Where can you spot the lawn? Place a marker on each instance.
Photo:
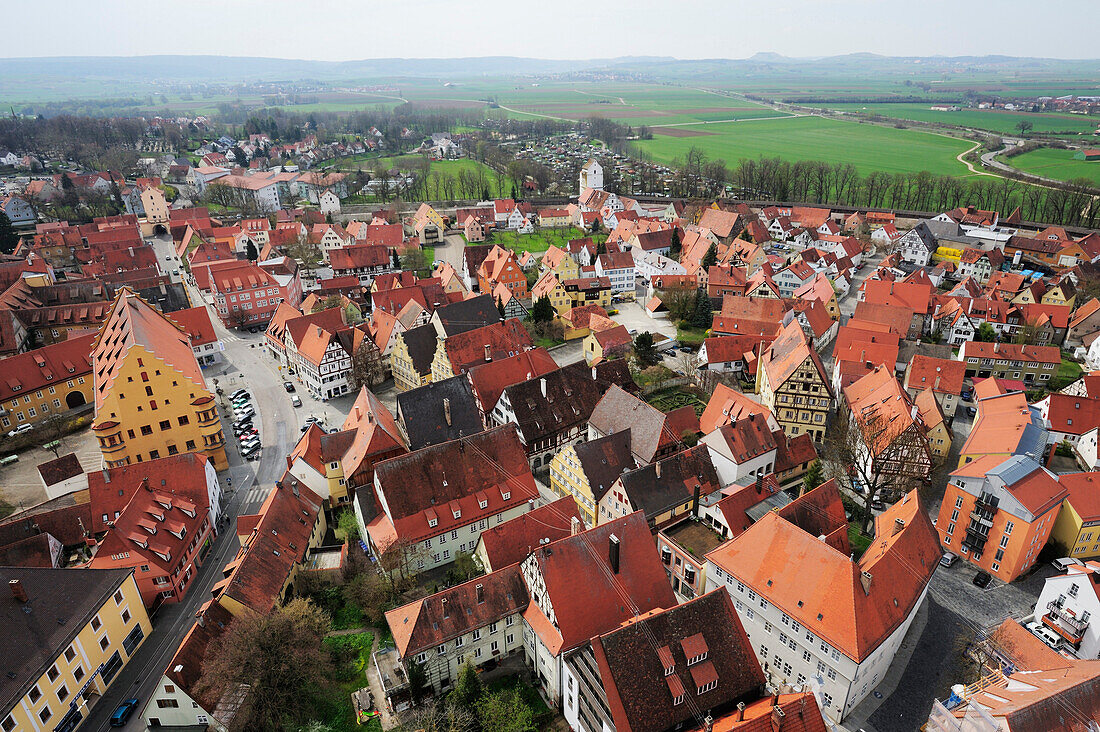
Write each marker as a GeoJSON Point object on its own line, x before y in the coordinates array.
{"type": "Point", "coordinates": [857, 540]}
{"type": "Point", "coordinates": [1053, 163]}
{"type": "Point", "coordinates": [993, 120]}
{"type": "Point", "coordinates": [867, 147]}
{"type": "Point", "coordinates": [678, 396]}
{"type": "Point", "coordinates": [690, 336]}
{"type": "Point", "coordinates": [1067, 373]}
{"type": "Point", "coordinates": [541, 239]}
{"type": "Point", "coordinates": [443, 167]}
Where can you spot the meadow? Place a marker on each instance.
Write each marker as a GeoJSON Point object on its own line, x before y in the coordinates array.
{"type": "Point", "coordinates": [867, 147]}
{"type": "Point", "coordinates": [992, 120]}
{"type": "Point", "coordinates": [1052, 163]}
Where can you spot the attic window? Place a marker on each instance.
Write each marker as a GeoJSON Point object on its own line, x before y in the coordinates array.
{"type": "Point", "coordinates": [457, 513]}
{"type": "Point", "coordinates": [820, 616]}
{"type": "Point", "coordinates": [433, 523]}
{"type": "Point", "coordinates": [506, 495]}
{"type": "Point", "coordinates": [482, 503]}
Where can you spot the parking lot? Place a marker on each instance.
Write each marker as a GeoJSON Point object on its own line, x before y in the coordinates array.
{"type": "Point", "coordinates": [20, 483]}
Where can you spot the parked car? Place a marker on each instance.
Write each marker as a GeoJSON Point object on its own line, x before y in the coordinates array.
{"type": "Point", "coordinates": [1045, 634]}
{"type": "Point", "coordinates": [967, 395]}
{"type": "Point", "coordinates": [982, 579]}
{"type": "Point", "coordinates": [240, 427]}
{"type": "Point", "coordinates": [123, 712]}
{"type": "Point", "coordinates": [1065, 563]}
{"type": "Point", "coordinates": [289, 387]}
{"type": "Point", "coordinates": [309, 421]}
{"type": "Point", "coordinates": [21, 429]}
{"type": "Point", "coordinates": [948, 559]}
{"type": "Point", "coordinates": [238, 393]}
{"type": "Point", "coordinates": [971, 412]}
{"type": "Point", "coordinates": [245, 412]}
{"type": "Point", "coordinates": [250, 450]}
{"type": "Point", "coordinates": [296, 401]}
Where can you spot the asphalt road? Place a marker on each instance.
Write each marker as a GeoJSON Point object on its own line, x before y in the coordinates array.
{"type": "Point", "coordinates": [245, 365]}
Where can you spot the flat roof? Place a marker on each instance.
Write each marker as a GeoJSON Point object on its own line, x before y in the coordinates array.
{"type": "Point", "coordinates": [695, 537]}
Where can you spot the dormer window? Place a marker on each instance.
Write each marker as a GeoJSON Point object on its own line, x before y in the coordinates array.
{"type": "Point", "coordinates": [432, 523]}
{"type": "Point", "coordinates": [457, 513]}
{"type": "Point", "coordinates": [482, 504]}
{"type": "Point", "coordinates": [506, 495]}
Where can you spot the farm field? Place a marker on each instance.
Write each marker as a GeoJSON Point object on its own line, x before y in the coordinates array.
{"type": "Point", "coordinates": [985, 119]}
{"type": "Point", "coordinates": [540, 240]}
{"type": "Point", "coordinates": [867, 147]}
{"type": "Point", "coordinates": [1058, 164]}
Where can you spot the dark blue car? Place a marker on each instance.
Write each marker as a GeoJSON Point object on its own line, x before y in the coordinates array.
{"type": "Point", "coordinates": [123, 712]}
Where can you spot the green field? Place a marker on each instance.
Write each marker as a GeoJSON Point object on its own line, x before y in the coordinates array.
{"type": "Point", "coordinates": [1058, 164]}
{"type": "Point", "coordinates": [541, 239]}
{"type": "Point", "coordinates": [867, 147]}
{"type": "Point", "coordinates": [984, 119]}
{"type": "Point", "coordinates": [443, 167]}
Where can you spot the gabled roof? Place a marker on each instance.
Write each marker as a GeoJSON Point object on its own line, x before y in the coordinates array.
{"type": "Point", "coordinates": [604, 460]}
{"type": "Point", "coordinates": [466, 315]}
{"type": "Point", "coordinates": [433, 483]}
{"type": "Point", "coordinates": [375, 430]}
{"type": "Point", "coordinates": [279, 542]}
{"type": "Point", "coordinates": [643, 664]}
{"type": "Point", "coordinates": [620, 410]}
{"type": "Point", "coordinates": [431, 621]}
{"type": "Point", "coordinates": [727, 406]}
{"type": "Point", "coordinates": [46, 366]}
{"type": "Point", "coordinates": [852, 605]}
{"type": "Point", "coordinates": [420, 343]}
{"type": "Point", "coordinates": [1063, 698]}
{"type": "Point", "coordinates": [488, 343]}
{"type": "Point", "coordinates": [789, 351]}
{"type": "Point", "coordinates": [606, 598]}
{"type": "Point", "coordinates": [670, 482]}
{"type": "Point", "coordinates": [514, 540]}
{"type": "Point", "coordinates": [439, 411]}
{"type": "Point", "coordinates": [488, 380]}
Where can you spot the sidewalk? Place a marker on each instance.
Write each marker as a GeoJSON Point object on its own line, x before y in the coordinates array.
{"type": "Point", "coordinates": [857, 720]}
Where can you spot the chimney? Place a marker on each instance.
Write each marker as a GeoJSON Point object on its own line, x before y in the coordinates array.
{"type": "Point", "coordinates": [708, 723]}
{"type": "Point", "coordinates": [575, 526]}
{"type": "Point", "coordinates": [613, 553]}
{"type": "Point", "coordinates": [542, 387]}
{"type": "Point", "coordinates": [777, 717]}
{"type": "Point", "coordinates": [865, 580]}
{"type": "Point", "coordinates": [488, 353]}
{"type": "Point", "coordinates": [446, 612]}
{"type": "Point", "coordinates": [20, 594]}
{"type": "Point", "coordinates": [759, 483]}
{"type": "Point", "coordinates": [936, 386]}
{"type": "Point", "coordinates": [480, 593]}
{"type": "Point", "coordinates": [106, 475]}
{"type": "Point", "coordinates": [447, 410]}
{"type": "Point", "coordinates": [740, 711]}
{"type": "Point", "coordinates": [657, 469]}
{"type": "Point", "coordinates": [899, 524]}
{"type": "Point", "coordinates": [593, 373]}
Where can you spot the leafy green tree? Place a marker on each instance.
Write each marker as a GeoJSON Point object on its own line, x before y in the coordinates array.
{"type": "Point", "coordinates": [701, 315]}
{"type": "Point", "coordinates": [814, 476]}
{"type": "Point", "coordinates": [601, 248]}
{"type": "Point", "coordinates": [468, 686]}
{"type": "Point", "coordinates": [500, 306]}
{"type": "Point", "coordinates": [505, 711]}
{"type": "Point", "coordinates": [8, 238]}
{"type": "Point", "coordinates": [645, 351]}
{"type": "Point", "coordinates": [250, 252]}
{"type": "Point", "coordinates": [711, 257]}
{"type": "Point", "coordinates": [543, 310]}
{"type": "Point", "coordinates": [595, 227]}
{"type": "Point", "coordinates": [348, 524]}
{"type": "Point", "coordinates": [986, 333]}
{"type": "Point", "coordinates": [418, 679]}
{"type": "Point", "coordinates": [674, 252]}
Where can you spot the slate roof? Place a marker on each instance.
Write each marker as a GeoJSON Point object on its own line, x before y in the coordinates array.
{"type": "Point", "coordinates": [61, 602]}
{"type": "Point", "coordinates": [620, 410]}
{"type": "Point", "coordinates": [673, 481]}
{"type": "Point", "coordinates": [604, 460]}
{"type": "Point", "coordinates": [572, 392]}
{"type": "Point", "coordinates": [437, 412]}
{"type": "Point", "coordinates": [488, 380]}
{"type": "Point", "coordinates": [466, 315]}
{"type": "Point", "coordinates": [420, 342]}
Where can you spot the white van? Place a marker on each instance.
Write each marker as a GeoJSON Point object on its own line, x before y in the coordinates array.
{"type": "Point", "coordinates": [1065, 563]}
{"type": "Point", "coordinates": [1045, 634]}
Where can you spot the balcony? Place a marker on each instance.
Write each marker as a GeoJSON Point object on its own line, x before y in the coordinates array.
{"type": "Point", "coordinates": [974, 540]}
{"type": "Point", "coordinates": [1065, 623]}
{"type": "Point", "coordinates": [987, 503]}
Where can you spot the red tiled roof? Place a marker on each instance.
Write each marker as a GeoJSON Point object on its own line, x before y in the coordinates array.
{"type": "Point", "coordinates": [489, 380]}
{"type": "Point", "coordinates": [46, 366]}
{"type": "Point", "coordinates": [111, 489]}
{"type": "Point", "coordinates": [504, 340]}
{"type": "Point", "coordinates": [939, 374]}
{"type": "Point", "coordinates": [514, 540]}
{"type": "Point", "coordinates": [727, 405]}
{"type": "Point", "coordinates": [196, 323]}
{"type": "Point", "coordinates": [605, 599]}
{"type": "Point", "coordinates": [1084, 494]}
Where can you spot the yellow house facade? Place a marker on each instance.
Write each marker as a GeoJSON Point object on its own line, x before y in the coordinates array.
{"type": "Point", "coordinates": [550, 286]}
{"type": "Point", "coordinates": [1059, 295]}
{"type": "Point", "coordinates": [567, 478]}
{"type": "Point", "coordinates": [76, 658]}
{"type": "Point", "coordinates": [1077, 527]}
{"type": "Point", "coordinates": [151, 399]}
{"type": "Point", "coordinates": [405, 375]}
{"type": "Point", "coordinates": [948, 254]}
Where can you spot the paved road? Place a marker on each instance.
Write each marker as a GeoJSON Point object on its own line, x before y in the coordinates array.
{"type": "Point", "coordinates": [278, 424]}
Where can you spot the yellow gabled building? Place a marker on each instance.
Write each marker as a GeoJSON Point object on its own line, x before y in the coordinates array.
{"type": "Point", "coordinates": [550, 286]}
{"type": "Point", "coordinates": [585, 471]}
{"type": "Point", "coordinates": [151, 399]}
{"type": "Point", "coordinates": [1077, 527]}
{"type": "Point", "coordinates": [68, 634]}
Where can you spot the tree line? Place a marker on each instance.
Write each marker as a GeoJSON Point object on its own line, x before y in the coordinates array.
{"type": "Point", "coordinates": [1070, 204]}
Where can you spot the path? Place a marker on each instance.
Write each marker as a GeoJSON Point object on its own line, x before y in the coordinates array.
{"type": "Point", "coordinates": [723, 121]}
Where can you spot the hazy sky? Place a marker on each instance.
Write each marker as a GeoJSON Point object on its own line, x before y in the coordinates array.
{"type": "Point", "coordinates": [338, 30]}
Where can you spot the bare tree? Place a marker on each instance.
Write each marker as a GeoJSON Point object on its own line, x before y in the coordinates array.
{"type": "Point", "coordinates": [52, 432]}
{"type": "Point", "coordinates": [367, 368]}
{"type": "Point", "coordinates": [306, 251]}
{"type": "Point", "coordinates": [873, 459]}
